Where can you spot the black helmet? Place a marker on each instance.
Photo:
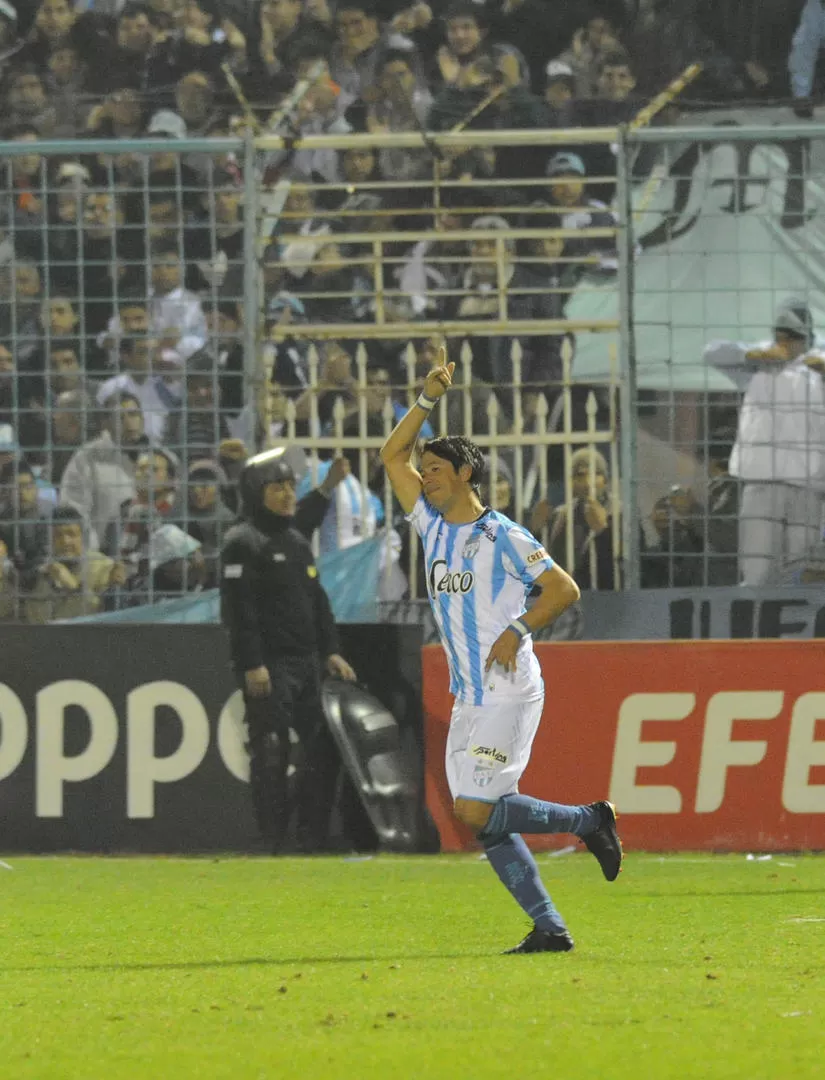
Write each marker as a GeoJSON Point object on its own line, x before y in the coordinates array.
{"type": "Point", "coordinates": [267, 468]}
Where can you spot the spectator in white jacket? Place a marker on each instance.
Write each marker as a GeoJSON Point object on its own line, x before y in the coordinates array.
{"type": "Point", "coordinates": [173, 314]}
{"type": "Point", "coordinates": [100, 476]}
{"type": "Point", "coordinates": [157, 396]}
{"type": "Point", "coordinates": [779, 455]}
{"type": "Point", "coordinates": [176, 315]}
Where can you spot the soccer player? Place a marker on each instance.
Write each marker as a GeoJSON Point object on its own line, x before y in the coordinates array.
{"type": "Point", "coordinates": [480, 568]}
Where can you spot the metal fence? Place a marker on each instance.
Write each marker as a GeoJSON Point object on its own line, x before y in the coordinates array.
{"type": "Point", "coordinates": [173, 306]}
{"type": "Point", "coordinates": [723, 354]}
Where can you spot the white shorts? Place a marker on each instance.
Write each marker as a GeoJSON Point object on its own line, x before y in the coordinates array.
{"type": "Point", "coordinates": [488, 747]}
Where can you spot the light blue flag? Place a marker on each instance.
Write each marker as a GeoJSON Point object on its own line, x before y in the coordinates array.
{"type": "Point", "coordinates": [350, 578]}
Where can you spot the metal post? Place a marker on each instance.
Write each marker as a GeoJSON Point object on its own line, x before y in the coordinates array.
{"type": "Point", "coordinates": [567, 420]}
{"type": "Point", "coordinates": [615, 489]}
{"type": "Point", "coordinates": [591, 408]}
{"type": "Point", "coordinates": [255, 379]}
{"type": "Point", "coordinates": [627, 366]}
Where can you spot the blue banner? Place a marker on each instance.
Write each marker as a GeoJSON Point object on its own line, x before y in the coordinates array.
{"type": "Point", "coordinates": [350, 578]}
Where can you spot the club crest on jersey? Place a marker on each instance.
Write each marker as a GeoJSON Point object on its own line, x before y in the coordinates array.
{"type": "Point", "coordinates": [442, 581]}
{"type": "Point", "coordinates": [471, 548]}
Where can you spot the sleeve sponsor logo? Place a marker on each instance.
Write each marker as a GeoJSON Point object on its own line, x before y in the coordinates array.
{"type": "Point", "coordinates": [233, 570]}
{"type": "Point", "coordinates": [537, 556]}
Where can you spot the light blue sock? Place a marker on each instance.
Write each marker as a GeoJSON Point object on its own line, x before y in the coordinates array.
{"type": "Point", "coordinates": [513, 861]}
{"type": "Point", "coordinates": [524, 814]}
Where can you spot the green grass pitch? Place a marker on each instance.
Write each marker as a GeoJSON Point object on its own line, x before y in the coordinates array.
{"type": "Point", "coordinates": [687, 967]}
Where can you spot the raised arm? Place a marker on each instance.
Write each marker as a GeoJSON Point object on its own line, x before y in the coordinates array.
{"type": "Point", "coordinates": [805, 49]}
{"type": "Point", "coordinates": [397, 451]}
{"type": "Point", "coordinates": [740, 362]}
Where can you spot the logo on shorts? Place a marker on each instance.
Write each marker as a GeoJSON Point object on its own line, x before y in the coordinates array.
{"type": "Point", "coordinates": [491, 753]}
{"type": "Point", "coordinates": [483, 774]}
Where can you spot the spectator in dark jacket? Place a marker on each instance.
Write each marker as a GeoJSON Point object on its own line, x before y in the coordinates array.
{"type": "Point", "coordinates": [712, 529]}
{"type": "Point", "coordinates": [674, 561]}
{"type": "Point", "coordinates": [538, 30]}
{"type": "Point", "coordinates": [24, 519]}
{"type": "Point", "coordinates": [277, 29]}
{"type": "Point", "coordinates": [494, 277]}
{"type": "Point", "coordinates": [668, 36]}
{"type": "Point", "coordinates": [197, 430]}
{"type": "Point", "coordinates": [592, 553]}
{"type": "Point", "coordinates": [576, 210]}
{"type": "Point", "coordinates": [207, 518]}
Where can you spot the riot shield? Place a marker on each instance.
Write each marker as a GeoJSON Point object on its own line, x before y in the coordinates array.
{"type": "Point", "coordinates": [384, 770]}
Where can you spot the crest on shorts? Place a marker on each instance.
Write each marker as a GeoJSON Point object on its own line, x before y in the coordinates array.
{"type": "Point", "coordinates": [471, 548]}
{"type": "Point", "coordinates": [483, 773]}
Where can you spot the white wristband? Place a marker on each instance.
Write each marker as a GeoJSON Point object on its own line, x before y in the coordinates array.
{"type": "Point", "coordinates": [425, 403]}
{"type": "Point", "coordinates": [519, 627]}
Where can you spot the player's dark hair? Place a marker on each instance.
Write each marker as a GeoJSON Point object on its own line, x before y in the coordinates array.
{"type": "Point", "coordinates": [458, 451]}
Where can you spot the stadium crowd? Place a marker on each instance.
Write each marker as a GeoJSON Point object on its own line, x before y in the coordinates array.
{"type": "Point", "coordinates": [125, 410]}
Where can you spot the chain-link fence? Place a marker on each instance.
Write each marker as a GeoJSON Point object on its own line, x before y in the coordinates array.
{"type": "Point", "coordinates": [123, 400]}
{"type": "Point", "coordinates": [361, 279]}
{"type": "Point", "coordinates": [724, 355]}
{"type": "Point", "coordinates": [170, 306]}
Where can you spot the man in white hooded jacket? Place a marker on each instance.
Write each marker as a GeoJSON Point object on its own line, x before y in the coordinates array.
{"type": "Point", "coordinates": [779, 453]}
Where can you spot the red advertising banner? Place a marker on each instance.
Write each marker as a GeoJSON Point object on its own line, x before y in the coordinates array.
{"type": "Point", "coordinates": [715, 745]}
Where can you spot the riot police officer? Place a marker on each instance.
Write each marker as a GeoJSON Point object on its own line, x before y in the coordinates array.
{"type": "Point", "coordinates": [283, 640]}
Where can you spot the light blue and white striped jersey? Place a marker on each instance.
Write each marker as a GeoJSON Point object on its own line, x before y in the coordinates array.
{"type": "Point", "coordinates": [478, 578]}
{"type": "Point", "coordinates": [345, 522]}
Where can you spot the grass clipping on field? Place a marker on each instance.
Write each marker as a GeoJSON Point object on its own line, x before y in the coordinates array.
{"type": "Point", "coordinates": [319, 969]}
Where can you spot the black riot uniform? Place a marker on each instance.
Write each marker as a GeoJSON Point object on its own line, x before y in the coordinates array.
{"type": "Point", "coordinates": [278, 616]}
